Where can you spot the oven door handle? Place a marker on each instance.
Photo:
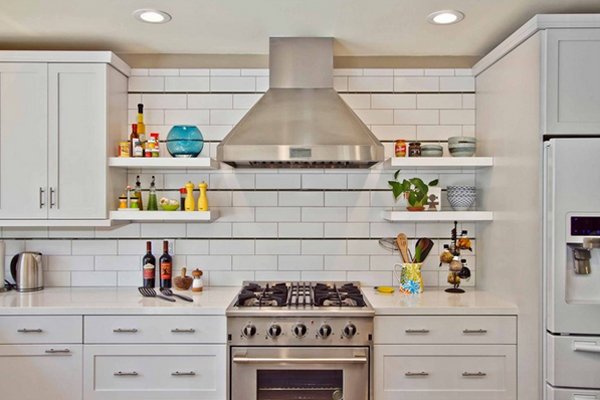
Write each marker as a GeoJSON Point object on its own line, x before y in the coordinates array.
{"type": "Point", "coordinates": [275, 360]}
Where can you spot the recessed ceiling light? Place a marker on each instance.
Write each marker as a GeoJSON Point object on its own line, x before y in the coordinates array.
{"type": "Point", "coordinates": [445, 17]}
{"type": "Point", "coordinates": [152, 16]}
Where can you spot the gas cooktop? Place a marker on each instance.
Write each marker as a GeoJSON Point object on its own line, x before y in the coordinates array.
{"type": "Point", "coordinates": [300, 298]}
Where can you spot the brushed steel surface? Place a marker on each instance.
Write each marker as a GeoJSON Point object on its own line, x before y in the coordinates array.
{"type": "Point", "coordinates": [27, 270]}
{"type": "Point", "coordinates": [301, 122]}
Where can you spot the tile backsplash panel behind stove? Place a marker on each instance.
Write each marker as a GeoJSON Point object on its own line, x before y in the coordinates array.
{"type": "Point", "coordinates": [274, 224]}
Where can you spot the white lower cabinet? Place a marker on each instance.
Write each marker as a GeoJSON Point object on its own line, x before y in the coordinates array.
{"type": "Point", "coordinates": [571, 394]}
{"type": "Point", "coordinates": [33, 372]}
{"type": "Point", "coordinates": [174, 372]}
{"type": "Point", "coordinates": [445, 372]}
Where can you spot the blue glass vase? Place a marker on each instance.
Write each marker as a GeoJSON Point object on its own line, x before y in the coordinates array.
{"type": "Point", "coordinates": [184, 141]}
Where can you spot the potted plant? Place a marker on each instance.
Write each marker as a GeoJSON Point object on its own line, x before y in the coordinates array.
{"type": "Point", "coordinates": [415, 191]}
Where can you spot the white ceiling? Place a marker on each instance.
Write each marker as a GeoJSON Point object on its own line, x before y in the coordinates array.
{"type": "Point", "coordinates": [361, 27]}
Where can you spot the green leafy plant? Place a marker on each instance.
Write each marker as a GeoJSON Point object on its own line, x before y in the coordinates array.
{"type": "Point", "coordinates": [414, 189]}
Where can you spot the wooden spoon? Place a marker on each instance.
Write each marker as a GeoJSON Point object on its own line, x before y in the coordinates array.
{"type": "Point", "coordinates": [402, 242]}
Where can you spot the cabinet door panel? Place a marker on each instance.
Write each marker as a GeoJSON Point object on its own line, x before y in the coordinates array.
{"type": "Point", "coordinates": [572, 82]}
{"type": "Point", "coordinates": [41, 372]}
{"type": "Point", "coordinates": [77, 141]}
{"type": "Point", "coordinates": [23, 140]}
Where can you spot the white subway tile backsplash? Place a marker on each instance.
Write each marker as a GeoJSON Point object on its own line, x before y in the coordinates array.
{"type": "Point", "coordinates": [277, 214]}
{"type": "Point", "coordinates": [279, 224]}
{"type": "Point", "coordinates": [209, 101]}
{"type": "Point", "coordinates": [254, 229]}
{"type": "Point", "coordinates": [323, 247]}
{"type": "Point", "coordinates": [70, 263]}
{"type": "Point", "coordinates": [277, 246]}
{"type": "Point", "coordinates": [232, 84]}
{"type": "Point", "coordinates": [49, 247]}
{"type": "Point", "coordinates": [187, 84]}
{"type": "Point", "coordinates": [371, 84]}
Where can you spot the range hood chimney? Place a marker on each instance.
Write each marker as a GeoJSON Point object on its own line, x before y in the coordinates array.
{"type": "Point", "coordinates": [300, 122]}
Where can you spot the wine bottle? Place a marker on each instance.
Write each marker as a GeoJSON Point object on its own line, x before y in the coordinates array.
{"type": "Point", "coordinates": [135, 145]}
{"type": "Point", "coordinates": [149, 267]}
{"type": "Point", "coordinates": [166, 267]}
{"type": "Point", "coordinates": [141, 128]}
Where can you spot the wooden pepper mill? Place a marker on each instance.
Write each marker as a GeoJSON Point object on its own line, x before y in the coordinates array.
{"type": "Point", "coordinates": [197, 285]}
{"type": "Point", "coordinates": [182, 282]}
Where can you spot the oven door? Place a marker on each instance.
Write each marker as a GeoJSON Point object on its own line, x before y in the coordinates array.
{"type": "Point", "coordinates": [307, 373]}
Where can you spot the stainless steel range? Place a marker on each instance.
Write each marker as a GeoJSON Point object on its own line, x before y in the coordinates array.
{"type": "Point", "coordinates": [300, 340]}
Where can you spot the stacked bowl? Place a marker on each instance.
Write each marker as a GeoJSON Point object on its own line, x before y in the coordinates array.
{"type": "Point", "coordinates": [461, 198]}
{"type": "Point", "coordinates": [461, 146]}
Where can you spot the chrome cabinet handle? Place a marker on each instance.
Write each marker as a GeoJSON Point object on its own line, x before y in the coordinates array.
{"type": "Point", "coordinates": [587, 347]}
{"type": "Point", "coordinates": [121, 330]}
{"type": "Point", "coordinates": [177, 330]}
{"type": "Point", "coordinates": [468, 331]}
{"type": "Point", "coordinates": [52, 202]}
{"type": "Point", "coordinates": [422, 373]}
{"type": "Point", "coordinates": [177, 373]}
{"type": "Point", "coordinates": [24, 330]}
{"type": "Point", "coordinates": [470, 374]}
{"type": "Point", "coordinates": [53, 351]}
{"type": "Point", "coordinates": [42, 191]}
{"type": "Point", "coordinates": [132, 373]}
{"type": "Point", "coordinates": [417, 331]}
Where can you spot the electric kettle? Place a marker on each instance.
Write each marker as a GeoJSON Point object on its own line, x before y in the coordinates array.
{"type": "Point", "coordinates": [27, 271]}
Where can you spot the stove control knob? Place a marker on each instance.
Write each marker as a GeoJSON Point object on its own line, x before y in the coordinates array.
{"type": "Point", "coordinates": [299, 330]}
{"type": "Point", "coordinates": [324, 331]}
{"type": "Point", "coordinates": [349, 330]}
{"type": "Point", "coordinates": [274, 331]}
{"type": "Point", "coordinates": [249, 330]}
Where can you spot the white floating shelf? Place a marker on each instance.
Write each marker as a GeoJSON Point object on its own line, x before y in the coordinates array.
{"type": "Point", "coordinates": [163, 163]}
{"type": "Point", "coordinates": [442, 162]}
{"type": "Point", "coordinates": [182, 216]}
{"type": "Point", "coordinates": [75, 223]}
{"type": "Point", "coordinates": [436, 216]}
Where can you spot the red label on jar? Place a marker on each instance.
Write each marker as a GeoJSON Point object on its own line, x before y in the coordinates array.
{"type": "Point", "coordinates": [400, 148]}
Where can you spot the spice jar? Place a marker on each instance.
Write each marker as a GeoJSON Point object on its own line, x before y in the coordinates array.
{"type": "Point", "coordinates": [400, 148]}
{"type": "Point", "coordinates": [414, 149]}
{"type": "Point", "coordinates": [197, 284]}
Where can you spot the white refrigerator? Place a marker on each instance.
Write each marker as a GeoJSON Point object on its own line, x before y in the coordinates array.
{"type": "Point", "coordinates": [571, 260]}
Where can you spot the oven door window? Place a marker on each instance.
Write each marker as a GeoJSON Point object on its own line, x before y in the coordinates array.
{"type": "Point", "coordinates": [304, 384]}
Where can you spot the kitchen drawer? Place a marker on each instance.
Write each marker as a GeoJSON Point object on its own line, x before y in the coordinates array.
{"type": "Point", "coordinates": [155, 329]}
{"type": "Point", "coordinates": [571, 394]}
{"type": "Point", "coordinates": [154, 372]}
{"type": "Point", "coordinates": [573, 361]}
{"type": "Point", "coordinates": [40, 329]}
{"type": "Point", "coordinates": [445, 330]}
{"type": "Point", "coordinates": [32, 372]}
{"type": "Point", "coordinates": [445, 372]}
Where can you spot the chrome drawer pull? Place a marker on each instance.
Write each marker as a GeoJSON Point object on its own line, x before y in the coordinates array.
{"type": "Point", "coordinates": [30, 330]}
{"type": "Point", "coordinates": [422, 373]}
{"type": "Point", "coordinates": [119, 330]}
{"type": "Point", "coordinates": [417, 331]}
{"type": "Point", "coordinates": [177, 373]}
{"type": "Point", "coordinates": [468, 331]}
{"type": "Point", "coordinates": [176, 330]}
{"type": "Point", "coordinates": [132, 373]}
{"type": "Point", "coordinates": [471, 374]}
{"type": "Point", "coordinates": [53, 351]}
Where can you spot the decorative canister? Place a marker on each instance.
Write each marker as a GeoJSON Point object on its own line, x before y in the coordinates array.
{"type": "Point", "coordinates": [184, 141]}
{"type": "Point", "coordinates": [409, 278]}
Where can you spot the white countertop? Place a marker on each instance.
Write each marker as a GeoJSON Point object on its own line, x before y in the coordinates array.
{"type": "Point", "coordinates": [113, 301]}
{"type": "Point", "coordinates": [215, 300]}
{"type": "Point", "coordinates": [434, 301]}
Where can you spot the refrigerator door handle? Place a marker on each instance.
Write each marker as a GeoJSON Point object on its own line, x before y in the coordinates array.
{"type": "Point", "coordinates": [586, 347]}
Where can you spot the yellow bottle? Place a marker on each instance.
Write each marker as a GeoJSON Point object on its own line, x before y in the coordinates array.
{"type": "Point", "coordinates": [189, 197]}
{"type": "Point", "coordinates": [203, 199]}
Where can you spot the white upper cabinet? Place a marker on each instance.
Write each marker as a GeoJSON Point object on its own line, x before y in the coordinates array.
{"type": "Point", "coordinates": [23, 140]}
{"type": "Point", "coordinates": [59, 122]}
{"type": "Point", "coordinates": [571, 80]}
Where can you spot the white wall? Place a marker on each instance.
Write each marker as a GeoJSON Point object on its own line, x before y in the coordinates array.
{"type": "Point", "coordinates": [275, 224]}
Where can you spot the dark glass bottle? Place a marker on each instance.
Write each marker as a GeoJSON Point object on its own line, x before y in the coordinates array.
{"type": "Point", "coordinates": [149, 267]}
{"type": "Point", "coordinates": [166, 267]}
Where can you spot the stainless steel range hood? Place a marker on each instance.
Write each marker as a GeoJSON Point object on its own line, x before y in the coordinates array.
{"type": "Point", "coordinates": [300, 122]}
